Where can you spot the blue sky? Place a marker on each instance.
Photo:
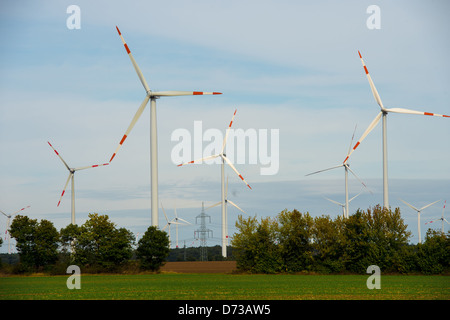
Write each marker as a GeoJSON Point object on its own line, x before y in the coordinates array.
{"type": "Point", "coordinates": [287, 65]}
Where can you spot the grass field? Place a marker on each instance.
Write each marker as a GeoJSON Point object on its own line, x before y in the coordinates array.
{"type": "Point", "coordinates": [171, 286]}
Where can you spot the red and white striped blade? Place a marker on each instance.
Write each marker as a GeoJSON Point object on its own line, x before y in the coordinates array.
{"type": "Point", "coordinates": [182, 93]}
{"type": "Point", "coordinates": [64, 190]}
{"type": "Point", "coordinates": [199, 160]}
{"type": "Point", "coordinates": [371, 126]}
{"type": "Point", "coordinates": [58, 155]}
{"type": "Point", "coordinates": [133, 122]}
{"type": "Point", "coordinates": [408, 111]}
{"type": "Point", "coordinates": [232, 167]}
{"type": "Point", "coordinates": [136, 67]}
{"type": "Point", "coordinates": [235, 205]}
{"type": "Point", "coordinates": [228, 130]}
{"type": "Point", "coordinates": [21, 210]}
{"type": "Point", "coordinates": [372, 85]}
{"type": "Point", "coordinates": [94, 166]}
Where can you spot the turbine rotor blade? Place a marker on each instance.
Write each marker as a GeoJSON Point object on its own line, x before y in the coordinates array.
{"type": "Point", "coordinates": [181, 93]}
{"type": "Point", "coordinates": [338, 203]}
{"type": "Point", "coordinates": [94, 166]}
{"type": "Point", "coordinates": [58, 155]}
{"type": "Point", "coordinates": [198, 160]}
{"type": "Point", "coordinates": [428, 205]}
{"type": "Point", "coordinates": [228, 130]}
{"type": "Point", "coordinates": [65, 186]}
{"type": "Point", "coordinates": [351, 141]}
{"type": "Point", "coordinates": [309, 174]}
{"type": "Point", "coordinates": [233, 204]}
{"type": "Point", "coordinates": [214, 205]}
{"type": "Point", "coordinates": [409, 205]}
{"type": "Point", "coordinates": [136, 67]}
{"type": "Point", "coordinates": [133, 122]}
{"type": "Point", "coordinates": [371, 126]}
{"type": "Point", "coordinates": [20, 210]}
{"type": "Point", "coordinates": [355, 196]}
{"type": "Point", "coordinates": [184, 221]}
{"type": "Point", "coordinates": [357, 177]}
{"type": "Point", "coordinates": [232, 167]}
{"type": "Point", "coordinates": [4, 214]}
{"type": "Point", "coordinates": [408, 111]}
{"type": "Point", "coordinates": [165, 215]}
{"type": "Point", "coordinates": [372, 85]}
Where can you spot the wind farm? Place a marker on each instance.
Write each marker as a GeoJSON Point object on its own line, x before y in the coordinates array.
{"type": "Point", "coordinates": [282, 88]}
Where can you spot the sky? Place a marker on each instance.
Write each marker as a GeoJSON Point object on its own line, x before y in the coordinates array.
{"type": "Point", "coordinates": [290, 67]}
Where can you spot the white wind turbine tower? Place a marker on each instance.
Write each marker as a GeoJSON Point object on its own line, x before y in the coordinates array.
{"type": "Point", "coordinates": [71, 177]}
{"type": "Point", "coordinates": [152, 96]}
{"type": "Point", "coordinates": [8, 221]}
{"type": "Point", "coordinates": [441, 219]}
{"type": "Point", "coordinates": [418, 215]}
{"type": "Point", "coordinates": [224, 159]}
{"type": "Point", "coordinates": [347, 168]}
{"type": "Point", "coordinates": [383, 114]}
{"type": "Point", "coordinates": [226, 208]}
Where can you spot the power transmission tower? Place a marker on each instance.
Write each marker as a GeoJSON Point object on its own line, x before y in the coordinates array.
{"type": "Point", "coordinates": [202, 233]}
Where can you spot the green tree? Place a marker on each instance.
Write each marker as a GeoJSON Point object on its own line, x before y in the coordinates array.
{"type": "Point", "coordinates": [153, 249]}
{"type": "Point", "coordinates": [295, 240]}
{"type": "Point", "coordinates": [328, 244]}
{"type": "Point", "coordinates": [98, 243]}
{"type": "Point", "coordinates": [375, 236]}
{"type": "Point", "coordinates": [255, 246]}
{"type": "Point", "coordinates": [36, 242]}
{"type": "Point", "coordinates": [433, 256]}
{"type": "Point", "coordinates": [244, 243]}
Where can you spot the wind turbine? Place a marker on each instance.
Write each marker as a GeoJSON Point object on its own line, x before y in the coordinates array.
{"type": "Point", "coordinates": [152, 96]}
{"type": "Point", "coordinates": [8, 220]}
{"type": "Point", "coordinates": [179, 221]}
{"type": "Point", "coordinates": [418, 214]}
{"type": "Point", "coordinates": [383, 114]}
{"type": "Point", "coordinates": [343, 204]}
{"type": "Point", "coordinates": [441, 219]}
{"type": "Point", "coordinates": [168, 222]}
{"type": "Point", "coordinates": [347, 168]}
{"type": "Point", "coordinates": [224, 159]}
{"type": "Point", "coordinates": [71, 177]}
{"type": "Point", "coordinates": [226, 208]}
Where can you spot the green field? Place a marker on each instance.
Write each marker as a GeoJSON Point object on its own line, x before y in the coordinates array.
{"type": "Point", "coordinates": [225, 286]}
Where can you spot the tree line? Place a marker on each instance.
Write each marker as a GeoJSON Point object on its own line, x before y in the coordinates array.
{"type": "Point", "coordinates": [296, 242]}
{"type": "Point", "coordinates": [291, 242]}
{"type": "Point", "coordinates": [96, 246]}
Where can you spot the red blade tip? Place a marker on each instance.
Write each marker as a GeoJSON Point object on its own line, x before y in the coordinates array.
{"type": "Point", "coordinates": [118, 31]}
{"type": "Point", "coordinates": [359, 54]}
